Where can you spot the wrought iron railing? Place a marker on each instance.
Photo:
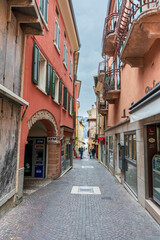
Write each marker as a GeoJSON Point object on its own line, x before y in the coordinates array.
{"type": "Point", "coordinates": [111, 81]}
{"type": "Point", "coordinates": [129, 10]}
{"type": "Point", "coordinates": [110, 25]}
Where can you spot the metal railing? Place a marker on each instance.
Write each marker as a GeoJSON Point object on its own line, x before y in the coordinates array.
{"type": "Point", "coordinates": [110, 25]}
{"type": "Point", "coordinates": [111, 81]}
{"type": "Point", "coordinates": [129, 11]}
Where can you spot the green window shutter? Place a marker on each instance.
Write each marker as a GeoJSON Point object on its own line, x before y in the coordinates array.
{"type": "Point", "coordinates": [58, 38]}
{"type": "Point", "coordinates": [72, 106]}
{"type": "Point", "coordinates": [53, 84]}
{"type": "Point", "coordinates": [35, 68]}
{"type": "Point", "coordinates": [60, 92]}
{"type": "Point", "coordinates": [48, 82]}
{"type": "Point", "coordinates": [46, 11]}
{"type": "Point", "coordinates": [65, 97]}
{"type": "Point", "coordinates": [69, 102]}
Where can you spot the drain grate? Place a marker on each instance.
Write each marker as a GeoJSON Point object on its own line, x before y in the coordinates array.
{"type": "Point", "coordinates": [106, 198]}
{"type": "Point", "coordinates": [85, 190]}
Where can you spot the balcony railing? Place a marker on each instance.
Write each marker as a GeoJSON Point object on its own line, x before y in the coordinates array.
{"type": "Point", "coordinates": [111, 85]}
{"type": "Point", "coordinates": [129, 12]}
{"type": "Point", "coordinates": [109, 28]}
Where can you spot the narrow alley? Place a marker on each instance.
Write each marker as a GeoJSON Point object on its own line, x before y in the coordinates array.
{"type": "Point", "coordinates": [54, 213]}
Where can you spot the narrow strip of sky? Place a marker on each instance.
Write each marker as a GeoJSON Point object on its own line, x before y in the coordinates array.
{"type": "Point", "coordinates": [90, 16]}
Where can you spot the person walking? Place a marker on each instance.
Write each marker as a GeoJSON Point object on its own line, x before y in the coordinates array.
{"type": "Point", "coordinates": [93, 152]}
{"type": "Point", "coordinates": [81, 152]}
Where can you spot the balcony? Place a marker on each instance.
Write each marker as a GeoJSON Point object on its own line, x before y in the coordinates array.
{"type": "Point", "coordinates": [27, 15]}
{"type": "Point", "coordinates": [109, 34]}
{"type": "Point", "coordinates": [137, 29]}
{"type": "Point", "coordinates": [103, 108]}
{"type": "Point", "coordinates": [111, 86]}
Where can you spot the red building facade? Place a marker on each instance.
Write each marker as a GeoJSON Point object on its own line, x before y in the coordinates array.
{"type": "Point", "coordinates": [47, 125]}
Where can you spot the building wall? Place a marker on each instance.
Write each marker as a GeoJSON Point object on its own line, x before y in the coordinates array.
{"type": "Point", "coordinates": [11, 51]}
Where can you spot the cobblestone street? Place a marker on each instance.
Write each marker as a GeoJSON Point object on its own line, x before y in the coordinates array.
{"type": "Point", "coordinates": [53, 213]}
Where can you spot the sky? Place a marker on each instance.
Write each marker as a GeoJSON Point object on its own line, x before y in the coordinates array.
{"type": "Point", "coordinates": [90, 16]}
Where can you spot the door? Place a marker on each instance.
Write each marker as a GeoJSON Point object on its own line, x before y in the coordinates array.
{"type": "Point", "coordinates": [28, 159]}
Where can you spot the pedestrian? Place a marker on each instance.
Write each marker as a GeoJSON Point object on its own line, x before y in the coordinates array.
{"type": "Point", "coordinates": [93, 152]}
{"type": "Point", "coordinates": [81, 152]}
{"type": "Point", "coordinates": [90, 154]}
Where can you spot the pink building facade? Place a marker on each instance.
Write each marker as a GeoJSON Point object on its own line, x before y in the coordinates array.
{"type": "Point", "coordinates": [129, 76]}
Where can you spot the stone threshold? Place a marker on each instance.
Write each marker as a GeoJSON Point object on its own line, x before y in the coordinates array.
{"type": "Point", "coordinates": [66, 171]}
{"type": "Point", "coordinates": [153, 210]}
{"type": "Point", "coordinates": [130, 192]}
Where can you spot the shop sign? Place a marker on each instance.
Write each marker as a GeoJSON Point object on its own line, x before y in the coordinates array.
{"type": "Point", "coordinates": [53, 139]}
{"type": "Point", "coordinates": [39, 141]}
{"type": "Point", "coordinates": [39, 146]}
{"type": "Point", "coordinates": [151, 140]}
{"type": "Point", "coordinates": [148, 88]}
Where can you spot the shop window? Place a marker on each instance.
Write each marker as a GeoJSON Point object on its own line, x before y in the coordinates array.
{"type": "Point", "coordinates": [43, 5]}
{"type": "Point", "coordinates": [111, 150]}
{"type": "Point", "coordinates": [57, 35]}
{"type": "Point", "coordinates": [130, 162]}
{"type": "Point", "coordinates": [65, 55]}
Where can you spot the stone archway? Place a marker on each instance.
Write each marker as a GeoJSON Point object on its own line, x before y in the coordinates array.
{"type": "Point", "coordinates": [43, 115]}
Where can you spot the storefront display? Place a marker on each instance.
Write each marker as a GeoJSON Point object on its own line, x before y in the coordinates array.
{"type": "Point", "coordinates": [66, 154]}
{"type": "Point", "coordinates": [156, 177]}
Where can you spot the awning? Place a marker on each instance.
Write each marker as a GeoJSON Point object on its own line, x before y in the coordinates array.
{"type": "Point", "coordinates": [101, 139]}
{"type": "Point", "coordinates": [147, 106]}
{"type": "Point", "coordinates": [5, 92]}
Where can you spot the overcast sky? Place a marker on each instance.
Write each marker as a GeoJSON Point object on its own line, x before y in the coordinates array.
{"type": "Point", "coordinates": [90, 16]}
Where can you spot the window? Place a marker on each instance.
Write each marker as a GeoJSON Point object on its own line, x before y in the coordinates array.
{"type": "Point", "coordinates": [71, 69]}
{"type": "Point", "coordinates": [70, 105]}
{"type": "Point", "coordinates": [44, 9]}
{"type": "Point", "coordinates": [57, 11]}
{"type": "Point", "coordinates": [57, 35]}
{"type": "Point", "coordinates": [60, 92]}
{"type": "Point", "coordinates": [42, 71]}
{"type": "Point", "coordinates": [64, 97]}
{"type": "Point", "coordinates": [111, 150]}
{"type": "Point", "coordinates": [130, 162]}
{"type": "Point", "coordinates": [65, 55]}
{"type": "Point", "coordinates": [56, 96]}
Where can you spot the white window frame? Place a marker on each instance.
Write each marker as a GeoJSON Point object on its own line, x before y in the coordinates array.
{"type": "Point", "coordinates": [42, 73]}
{"type": "Point", "coordinates": [56, 98]}
{"type": "Point", "coordinates": [57, 35]}
{"type": "Point", "coordinates": [65, 55]}
{"type": "Point", "coordinates": [71, 69]}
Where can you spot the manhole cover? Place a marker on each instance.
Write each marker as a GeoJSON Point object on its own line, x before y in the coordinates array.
{"type": "Point", "coordinates": [85, 190]}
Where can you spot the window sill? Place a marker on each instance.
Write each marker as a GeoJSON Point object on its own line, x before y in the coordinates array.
{"type": "Point", "coordinates": [65, 65]}
{"type": "Point", "coordinates": [70, 77]}
{"type": "Point", "coordinates": [44, 22]}
{"type": "Point", "coordinates": [44, 92]}
{"type": "Point", "coordinates": [56, 48]}
{"type": "Point", "coordinates": [64, 109]}
{"type": "Point", "coordinates": [56, 102]}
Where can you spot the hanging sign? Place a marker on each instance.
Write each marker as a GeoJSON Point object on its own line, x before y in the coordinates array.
{"type": "Point", "coordinates": [52, 139]}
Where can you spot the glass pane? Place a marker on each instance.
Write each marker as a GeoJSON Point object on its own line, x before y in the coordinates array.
{"type": "Point", "coordinates": [158, 138]}
{"type": "Point", "coordinates": [126, 145]}
{"type": "Point", "coordinates": [131, 176]}
{"type": "Point", "coordinates": [130, 146]}
{"type": "Point", "coordinates": [110, 142]}
{"type": "Point", "coordinates": [134, 147]}
{"type": "Point", "coordinates": [111, 158]}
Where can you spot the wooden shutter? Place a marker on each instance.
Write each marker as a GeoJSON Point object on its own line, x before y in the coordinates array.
{"type": "Point", "coordinates": [69, 102]}
{"type": "Point", "coordinates": [53, 84]}
{"type": "Point", "coordinates": [48, 82]}
{"type": "Point", "coordinates": [60, 92]}
{"type": "Point", "coordinates": [35, 67]}
{"type": "Point", "coordinates": [65, 97]}
{"type": "Point", "coordinates": [72, 106]}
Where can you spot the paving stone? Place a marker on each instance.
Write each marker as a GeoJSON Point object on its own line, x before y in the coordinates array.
{"type": "Point", "coordinates": [53, 213]}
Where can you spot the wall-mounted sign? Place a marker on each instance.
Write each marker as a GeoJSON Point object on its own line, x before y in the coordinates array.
{"type": "Point", "coordinates": [148, 88]}
{"type": "Point", "coordinates": [53, 139]}
{"type": "Point", "coordinates": [39, 141]}
{"type": "Point", "coordinates": [39, 146]}
{"type": "Point", "coordinates": [151, 140]}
